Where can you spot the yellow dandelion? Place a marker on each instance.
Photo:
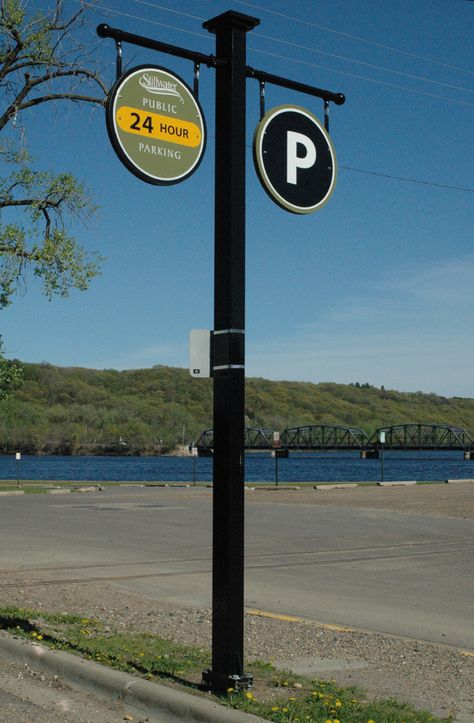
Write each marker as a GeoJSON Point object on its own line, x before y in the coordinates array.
{"type": "Point", "coordinates": [338, 704]}
{"type": "Point", "coordinates": [249, 695]}
{"type": "Point", "coordinates": [292, 698]}
{"type": "Point", "coordinates": [39, 637]}
{"type": "Point", "coordinates": [230, 690]}
{"type": "Point", "coordinates": [275, 708]}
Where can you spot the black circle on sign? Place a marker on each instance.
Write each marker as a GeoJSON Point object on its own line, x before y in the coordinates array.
{"type": "Point", "coordinates": [314, 183]}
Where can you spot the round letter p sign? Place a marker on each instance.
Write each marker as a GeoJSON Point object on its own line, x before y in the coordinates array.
{"type": "Point", "coordinates": [295, 159]}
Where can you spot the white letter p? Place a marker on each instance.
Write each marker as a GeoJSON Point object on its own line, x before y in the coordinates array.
{"type": "Point", "coordinates": [293, 160]}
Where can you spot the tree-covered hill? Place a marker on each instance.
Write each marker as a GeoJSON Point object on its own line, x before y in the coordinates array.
{"type": "Point", "coordinates": [149, 411]}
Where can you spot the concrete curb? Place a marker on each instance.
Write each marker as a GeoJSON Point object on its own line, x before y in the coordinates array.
{"type": "Point", "coordinates": [342, 486]}
{"type": "Point", "coordinates": [458, 481]}
{"type": "Point", "coordinates": [401, 483]}
{"type": "Point", "coordinates": [151, 698]}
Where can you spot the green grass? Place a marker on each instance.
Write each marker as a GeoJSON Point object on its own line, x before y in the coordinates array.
{"type": "Point", "coordinates": [277, 695]}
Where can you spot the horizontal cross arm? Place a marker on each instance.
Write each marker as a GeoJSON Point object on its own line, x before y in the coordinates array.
{"type": "Point", "coordinates": [337, 98]}
{"type": "Point", "coordinates": [105, 31]}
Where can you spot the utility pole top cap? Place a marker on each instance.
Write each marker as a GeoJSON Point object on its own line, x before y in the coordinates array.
{"type": "Point", "coordinates": [231, 19]}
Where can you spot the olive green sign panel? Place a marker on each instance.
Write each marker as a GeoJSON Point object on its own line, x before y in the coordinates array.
{"type": "Point", "coordinates": [156, 125]}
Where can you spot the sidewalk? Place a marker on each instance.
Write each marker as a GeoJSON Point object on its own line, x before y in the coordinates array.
{"type": "Point", "coordinates": [120, 696]}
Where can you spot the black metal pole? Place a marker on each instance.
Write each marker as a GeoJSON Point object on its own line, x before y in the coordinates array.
{"type": "Point", "coordinates": [226, 672]}
{"type": "Point", "coordinates": [230, 29]}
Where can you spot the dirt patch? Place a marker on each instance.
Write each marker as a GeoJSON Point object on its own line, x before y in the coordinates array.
{"type": "Point", "coordinates": [429, 500]}
{"type": "Point", "coordinates": [433, 677]}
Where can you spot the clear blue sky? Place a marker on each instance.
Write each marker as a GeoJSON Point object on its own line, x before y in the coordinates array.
{"type": "Point", "coordinates": [377, 286]}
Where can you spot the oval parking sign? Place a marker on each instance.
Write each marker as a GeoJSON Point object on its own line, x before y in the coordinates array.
{"type": "Point", "coordinates": [156, 125]}
{"type": "Point", "coordinates": [295, 159]}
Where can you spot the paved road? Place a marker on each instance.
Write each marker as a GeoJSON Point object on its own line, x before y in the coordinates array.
{"type": "Point", "coordinates": [408, 574]}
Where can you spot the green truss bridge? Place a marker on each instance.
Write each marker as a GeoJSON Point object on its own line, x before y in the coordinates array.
{"type": "Point", "coordinates": [331, 438]}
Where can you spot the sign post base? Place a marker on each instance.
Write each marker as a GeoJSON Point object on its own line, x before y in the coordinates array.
{"type": "Point", "coordinates": [223, 683]}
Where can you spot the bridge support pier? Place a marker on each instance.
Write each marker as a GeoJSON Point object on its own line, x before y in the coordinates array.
{"type": "Point", "coordinates": [468, 455]}
{"type": "Point", "coordinates": [369, 454]}
{"type": "Point", "coordinates": [284, 453]}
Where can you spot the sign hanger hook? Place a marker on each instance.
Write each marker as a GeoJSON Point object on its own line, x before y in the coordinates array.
{"type": "Point", "coordinates": [326, 115]}
{"type": "Point", "coordinates": [261, 84]}
{"type": "Point", "coordinates": [118, 61]}
{"type": "Point", "coordinates": [197, 67]}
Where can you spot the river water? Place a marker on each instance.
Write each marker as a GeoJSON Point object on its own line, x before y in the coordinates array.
{"type": "Point", "coordinates": [259, 468]}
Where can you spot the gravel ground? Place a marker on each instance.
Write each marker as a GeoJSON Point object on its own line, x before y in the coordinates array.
{"type": "Point", "coordinates": [434, 677]}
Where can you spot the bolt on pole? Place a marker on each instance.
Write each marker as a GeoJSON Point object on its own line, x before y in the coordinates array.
{"type": "Point", "coordinates": [227, 671]}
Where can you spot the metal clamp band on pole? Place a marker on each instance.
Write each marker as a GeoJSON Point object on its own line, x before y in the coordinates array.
{"type": "Point", "coordinates": [228, 349]}
{"type": "Point", "coordinates": [216, 332]}
{"type": "Point", "coordinates": [228, 366]}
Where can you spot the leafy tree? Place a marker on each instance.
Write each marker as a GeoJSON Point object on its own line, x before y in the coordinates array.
{"type": "Point", "coordinates": [41, 61]}
{"type": "Point", "coordinates": [11, 376]}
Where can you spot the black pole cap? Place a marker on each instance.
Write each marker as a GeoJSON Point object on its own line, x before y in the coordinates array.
{"type": "Point", "coordinates": [231, 19]}
{"type": "Point", "coordinates": [103, 30]}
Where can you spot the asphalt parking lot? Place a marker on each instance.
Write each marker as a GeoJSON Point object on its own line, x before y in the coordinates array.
{"type": "Point", "coordinates": [395, 560]}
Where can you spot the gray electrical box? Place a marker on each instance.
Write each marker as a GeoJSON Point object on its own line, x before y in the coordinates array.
{"type": "Point", "coordinates": [200, 353]}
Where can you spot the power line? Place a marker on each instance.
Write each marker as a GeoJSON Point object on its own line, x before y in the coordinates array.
{"type": "Point", "coordinates": [354, 37]}
{"type": "Point", "coordinates": [360, 62]}
{"type": "Point", "coordinates": [394, 178]}
{"type": "Point", "coordinates": [275, 55]}
{"type": "Point", "coordinates": [169, 10]}
{"type": "Point", "coordinates": [361, 77]}
{"type": "Point", "coordinates": [408, 180]}
{"type": "Point", "coordinates": [145, 20]}
{"type": "Point", "coordinates": [322, 52]}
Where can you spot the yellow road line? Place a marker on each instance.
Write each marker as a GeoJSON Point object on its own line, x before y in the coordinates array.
{"type": "Point", "coordinates": [295, 619]}
{"type": "Point", "coordinates": [340, 628]}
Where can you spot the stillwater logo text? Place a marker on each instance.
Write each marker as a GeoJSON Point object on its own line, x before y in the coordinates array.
{"type": "Point", "coordinates": [159, 87]}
